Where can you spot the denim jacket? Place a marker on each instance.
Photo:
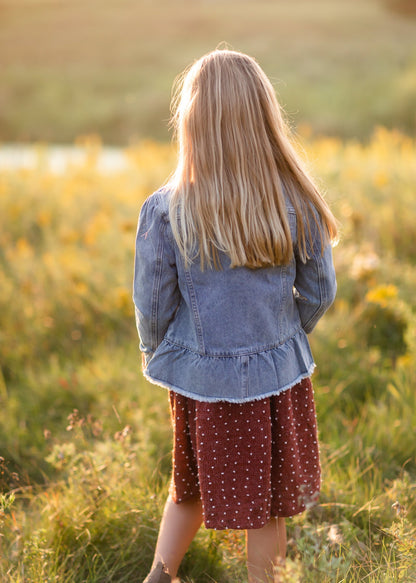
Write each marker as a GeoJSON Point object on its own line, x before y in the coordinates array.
{"type": "Point", "coordinates": [231, 334]}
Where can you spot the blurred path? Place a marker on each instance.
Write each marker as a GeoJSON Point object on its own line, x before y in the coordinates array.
{"type": "Point", "coordinates": [58, 159]}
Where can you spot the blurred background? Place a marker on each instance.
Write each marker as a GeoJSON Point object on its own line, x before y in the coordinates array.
{"type": "Point", "coordinates": [73, 67]}
{"type": "Point", "coordinates": [85, 441]}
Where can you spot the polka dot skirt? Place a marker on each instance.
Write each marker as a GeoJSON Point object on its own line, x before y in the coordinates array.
{"type": "Point", "coordinates": [247, 462]}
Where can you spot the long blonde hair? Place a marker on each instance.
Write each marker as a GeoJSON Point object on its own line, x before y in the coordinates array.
{"type": "Point", "coordinates": [235, 164]}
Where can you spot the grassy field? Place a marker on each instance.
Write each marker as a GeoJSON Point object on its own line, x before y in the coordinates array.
{"type": "Point", "coordinates": [74, 67]}
{"type": "Point", "coordinates": [85, 441]}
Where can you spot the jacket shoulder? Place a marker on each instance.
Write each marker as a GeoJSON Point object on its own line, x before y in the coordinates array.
{"type": "Point", "coordinates": [158, 203]}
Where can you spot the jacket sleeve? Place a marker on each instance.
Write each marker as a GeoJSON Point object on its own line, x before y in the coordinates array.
{"type": "Point", "coordinates": [315, 283]}
{"type": "Point", "coordinates": [156, 293]}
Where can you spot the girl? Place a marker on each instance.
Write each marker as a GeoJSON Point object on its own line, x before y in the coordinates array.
{"type": "Point", "coordinates": [233, 269]}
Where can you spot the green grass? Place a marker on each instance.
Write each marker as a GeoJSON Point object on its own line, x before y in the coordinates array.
{"type": "Point", "coordinates": [71, 68]}
{"type": "Point", "coordinates": [85, 441]}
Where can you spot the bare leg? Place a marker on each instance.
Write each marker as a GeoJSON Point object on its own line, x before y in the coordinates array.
{"type": "Point", "coordinates": [266, 548]}
{"type": "Point", "coordinates": [180, 523]}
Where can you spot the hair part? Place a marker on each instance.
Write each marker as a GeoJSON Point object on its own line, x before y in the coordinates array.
{"type": "Point", "coordinates": [235, 167]}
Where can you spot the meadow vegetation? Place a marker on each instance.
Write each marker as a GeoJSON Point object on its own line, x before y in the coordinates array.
{"type": "Point", "coordinates": [85, 441]}
{"type": "Point", "coordinates": [107, 66]}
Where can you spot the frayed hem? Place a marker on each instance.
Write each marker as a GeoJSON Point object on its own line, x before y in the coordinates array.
{"type": "Point", "coordinates": [247, 399]}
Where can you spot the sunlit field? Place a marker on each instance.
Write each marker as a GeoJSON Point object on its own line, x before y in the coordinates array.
{"type": "Point", "coordinates": [85, 441]}
{"type": "Point", "coordinates": [68, 67]}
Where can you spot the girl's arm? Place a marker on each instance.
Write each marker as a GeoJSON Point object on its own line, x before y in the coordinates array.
{"type": "Point", "coordinates": [315, 283]}
{"type": "Point", "coordinates": [156, 294]}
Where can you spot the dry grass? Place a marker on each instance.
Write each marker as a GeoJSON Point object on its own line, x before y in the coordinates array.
{"type": "Point", "coordinates": [84, 441]}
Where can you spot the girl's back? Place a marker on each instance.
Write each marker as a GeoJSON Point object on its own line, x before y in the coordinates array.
{"type": "Point", "coordinates": [233, 269]}
{"type": "Point", "coordinates": [225, 333]}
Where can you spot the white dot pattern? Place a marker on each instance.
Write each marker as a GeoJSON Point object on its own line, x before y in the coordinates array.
{"type": "Point", "coordinates": [247, 462]}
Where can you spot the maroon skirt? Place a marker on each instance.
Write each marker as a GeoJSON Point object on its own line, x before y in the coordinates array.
{"type": "Point", "coordinates": [247, 462]}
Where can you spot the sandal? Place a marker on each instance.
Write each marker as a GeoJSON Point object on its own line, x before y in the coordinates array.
{"type": "Point", "coordinates": [158, 575]}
